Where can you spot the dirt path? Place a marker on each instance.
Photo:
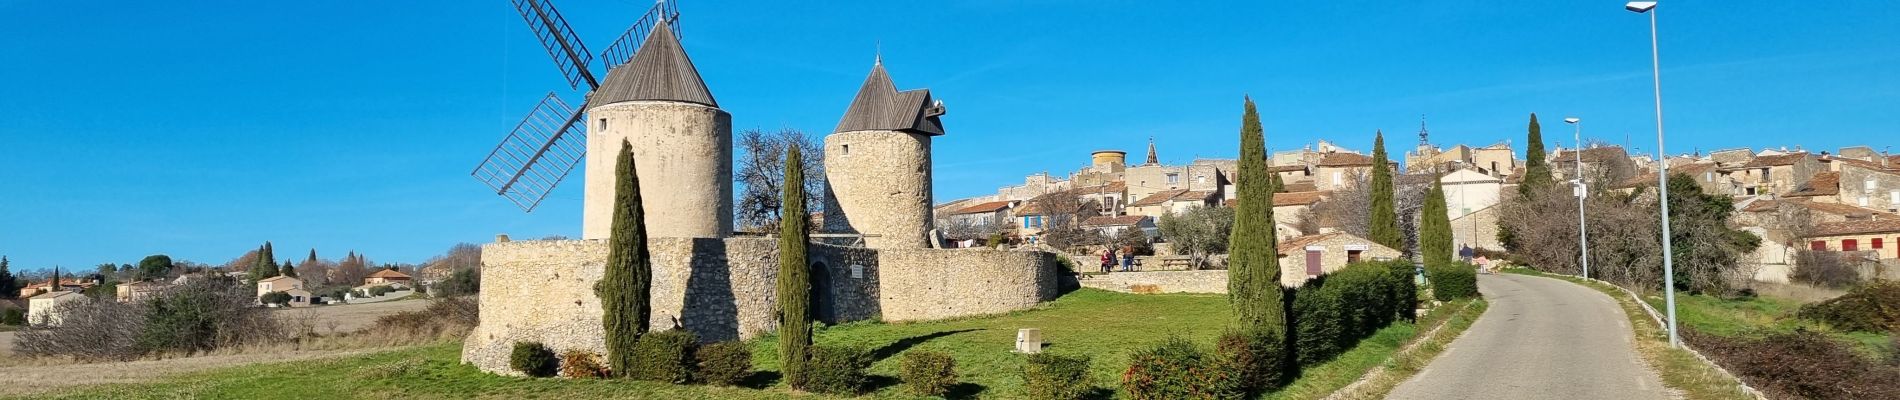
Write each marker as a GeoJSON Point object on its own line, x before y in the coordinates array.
{"type": "Point", "coordinates": [23, 376]}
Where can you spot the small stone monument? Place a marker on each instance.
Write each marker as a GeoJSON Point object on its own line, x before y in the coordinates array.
{"type": "Point", "coordinates": [1029, 340]}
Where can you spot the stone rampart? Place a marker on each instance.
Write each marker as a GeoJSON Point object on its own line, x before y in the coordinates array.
{"type": "Point", "coordinates": [1206, 281]}
{"type": "Point", "coordinates": [726, 289]}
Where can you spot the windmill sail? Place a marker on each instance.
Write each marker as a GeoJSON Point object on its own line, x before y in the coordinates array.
{"type": "Point", "coordinates": [541, 151]}
{"type": "Point", "coordinates": [568, 52]}
{"type": "Point", "coordinates": [623, 48]}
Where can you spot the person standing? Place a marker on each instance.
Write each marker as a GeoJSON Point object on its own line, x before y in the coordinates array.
{"type": "Point", "coordinates": [1128, 258]}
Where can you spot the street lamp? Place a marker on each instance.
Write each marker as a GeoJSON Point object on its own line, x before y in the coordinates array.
{"type": "Point", "coordinates": [1583, 232]}
{"type": "Point", "coordinates": [1662, 173]}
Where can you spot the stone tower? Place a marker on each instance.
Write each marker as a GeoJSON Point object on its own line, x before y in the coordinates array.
{"type": "Point", "coordinates": [877, 164]}
{"type": "Point", "coordinates": [682, 144]}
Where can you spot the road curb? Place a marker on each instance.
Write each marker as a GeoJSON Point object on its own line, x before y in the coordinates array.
{"type": "Point", "coordinates": [1379, 370]}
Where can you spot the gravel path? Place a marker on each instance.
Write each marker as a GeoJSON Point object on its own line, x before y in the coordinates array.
{"type": "Point", "coordinates": [1541, 338]}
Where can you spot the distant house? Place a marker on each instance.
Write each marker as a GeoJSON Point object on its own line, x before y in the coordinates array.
{"type": "Point", "coordinates": [1114, 226]}
{"type": "Point", "coordinates": [386, 277]}
{"type": "Point", "coordinates": [1469, 194]}
{"type": "Point", "coordinates": [291, 286]}
{"type": "Point", "coordinates": [1172, 201]}
{"type": "Point", "coordinates": [138, 291]}
{"type": "Point", "coordinates": [1309, 257]}
{"type": "Point", "coordinates": [1337, 171]}
{"type": "Point", "coordinates": [995, 213]}
{"type": "Point", "coordinates": [1770, 174]}
{"type": "Point", "coordinates": [65, 283]}
{"type": "Point", "coordinates": [43, 309]}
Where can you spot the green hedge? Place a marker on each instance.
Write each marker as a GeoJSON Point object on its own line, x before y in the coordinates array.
{"type": "Point", "coordinates": [1333, 312]}
{"type": "Point", "coordinates": [837, 370]}
{"type": "Point", "coordinates": [1056, 377]}
{"type": "Point", "coordinates": [664, 356]}
{"type": "Point", "coordinates": [724, 363]}
{"type": "Point", "coordinates": [532, 359]}
{"type": "Point", "coordinates": [1176, 369]}
{"type": "Point", "coordinates": [928, 373]}
{"type": "Point", "coordinates": [1452, 282]}
{"type": "Point", "coordinates": [1260, 358]}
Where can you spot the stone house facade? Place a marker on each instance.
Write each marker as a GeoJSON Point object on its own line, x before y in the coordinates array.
{"type": "Point", "coordinates": [1307, 257]}
{"type": "Point", "coordinates": [1868, 186]}
{"type": "Point", "coordinates": [1773, 174]}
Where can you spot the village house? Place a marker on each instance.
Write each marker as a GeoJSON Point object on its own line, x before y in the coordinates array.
{"type": "Point", "coordinates": [1770, 174]}
{"type": "Point", "coordinates": [1114, 226]}
{"type": "Point", "coordinates": [1471, 199]}
{"type": "Point", "coordinates": [36, 289]}
{"type": "Point", "coordinates": [43, 309]}
{"type": "Point", "coordinates": [1171, 201]}
{"type": "Point", "coordinates": [1703, 173]}
{"type": "Point", "coordinates": [386, 277]}
{"type": "Point", "coordinates": [995, 213]}
{"type": "Point", "coordinates": [1597, 162]}
{"type": "Point", "coordinates": [1308, 257]}
{"type": "Point", "coordinates": [291, 286]}
{"type": "Point", "coordinates": [138, 291]}
{"type": "Point", "coordinates": [1337, 171]}
{"type": "Point", "coordinates": [1109, 198]}
{"type": "Point", "coordinates": [1868, 185]}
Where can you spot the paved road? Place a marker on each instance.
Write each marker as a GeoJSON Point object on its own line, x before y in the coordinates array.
{"type": "Point", "coordinates": [1541, 338]}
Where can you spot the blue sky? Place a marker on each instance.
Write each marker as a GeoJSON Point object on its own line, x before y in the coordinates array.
{"type": "Point", "coordinates": [201, 129]}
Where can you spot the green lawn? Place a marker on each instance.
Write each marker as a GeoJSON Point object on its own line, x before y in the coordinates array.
{"type": "Point", "coordinates": [1104, 325]}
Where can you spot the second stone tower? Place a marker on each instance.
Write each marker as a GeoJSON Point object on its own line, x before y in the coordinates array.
{"type": "Point", "coordinates": [877, 165]}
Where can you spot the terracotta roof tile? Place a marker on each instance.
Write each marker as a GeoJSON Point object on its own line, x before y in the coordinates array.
{"type": "Point", "coordinates": [984, 208]}
{"type": "Point", "coordinates": [1288, 168]}
{"type": "Point", "coordinates": [1649, 178]}
{"type": "Point", "coordinates": [389, 274]}
{"type": "Point", "coordinates": [1345, 160]}
{"type": "Point", "coordinates": [1823, 184]}
{"type": "Point", "coordinates": [1308, 186]}
{"type": "Point", "coordinates": [1590, 155]}
{"type": "Point", "coordinates": [1298, 198]}
{"type": "Point", "coordinates": [1829, 208]}
{"type": "Point", "coordinates": [1775, 160]}
{"type": "Point", "coordinates": [1303, 241]}
{"type": "Point", "coordinates": [1856, 227]}
{"type": "Point", "coordinates": [1157, 198]}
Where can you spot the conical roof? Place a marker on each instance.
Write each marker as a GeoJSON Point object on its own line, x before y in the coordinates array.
{"type": "Point", "coordinates": [880, 107]}
{"type": "Point", "coordinates": [660, 70]}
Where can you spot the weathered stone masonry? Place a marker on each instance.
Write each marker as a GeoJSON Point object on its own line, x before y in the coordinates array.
{"type": "Point", "coordinates": [727, 289]}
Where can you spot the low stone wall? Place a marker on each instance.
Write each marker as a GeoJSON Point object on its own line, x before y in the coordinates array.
{"type": "Point", "coordinates": [1208, 281]}
{"type": "Point", "coordinates": [543, 291]}
{"type": "Point", "coordinates": [924, 284]}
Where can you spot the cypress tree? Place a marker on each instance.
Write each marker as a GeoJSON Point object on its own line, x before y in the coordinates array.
{"type": "Point", "coordinates": [289, 270]}
{"type": "Point", "coordinates": [1434, 228]}
{"type": "Point", "coordinates": [794, 275]}
{"type": "Point", "coordinates": [1275, 184]}
{"type": "Point", "coordinates": [625, 287]}
{"type": "Point", "coordinates": [266, 265]}
{"type": "Point", "coordinates": [1536, 170]}
{"type": "Point", "coordinates": [1253, 268]}
{"type": "Point", "coordinates": [8, 286]}
{"type": "Point", "coordinates": [55, 283]}
{"type": "Point", "coordinates": [1383, 225]}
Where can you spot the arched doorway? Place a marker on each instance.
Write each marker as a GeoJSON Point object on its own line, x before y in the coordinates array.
{"type": "Point", "coordinates": [824, 298]}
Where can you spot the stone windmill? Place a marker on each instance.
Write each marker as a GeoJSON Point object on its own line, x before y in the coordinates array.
{"type": "Point", "coordinates": [651, 95]}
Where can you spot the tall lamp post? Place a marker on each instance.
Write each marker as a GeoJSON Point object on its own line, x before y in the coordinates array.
{"type": "Point", "coordinates": [1583, 231]}
{"type": "Point", "coordinates": [1662, 174]}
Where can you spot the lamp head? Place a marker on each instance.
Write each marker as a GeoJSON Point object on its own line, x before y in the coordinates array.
{"type": "Point", "coordinates": [1572, 120]}
{"type": "Point", "coordinates": [1640, 6]}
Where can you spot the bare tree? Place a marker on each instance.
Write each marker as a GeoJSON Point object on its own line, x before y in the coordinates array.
{"type": "Point", "coordinates": [761, 173]}
{"type": "Point", "coordinates": [1063, 213]}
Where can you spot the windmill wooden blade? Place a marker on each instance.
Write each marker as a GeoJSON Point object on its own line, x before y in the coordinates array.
{"type": "Point", "coordinates": [541, 150]}
{"type": "Point", "coordinates": [566, 48]}
{"type": "Point", "coordinates": [623, 48]}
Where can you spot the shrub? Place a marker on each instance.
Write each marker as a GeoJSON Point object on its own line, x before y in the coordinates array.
{"type": "Point", "coordinates": [928, 373]}
{"type": "Point", "coordinates": [1874, 307]}
{"type": "Point", "coordinates": [1333, 312]}
{"type": "Point", "coordinates": [724, 363]}
{"type": "Point", "coordinates": [664, 356]}
{"type": "Point", "coordinates": [1176, 369]}
{"type": "Point", "coordinates": [1452, 282]}
{"type": "Point", "coordinates": [204, 315]}
{"type": "Point", "coordinates": [1258, 358]}
{"type": "Point", "coordinates": [533, 359]}
{"type": "Point", "coordinates": [1801, 365]}
{"type": "Point", "coordinates": [582, 364]}
{"type": "Point", "coordinates": [1056, 377]}
{"type": "Point", "coordinates": [462, 282]}
{"type": "Point", "coordinates": [445, 317]}
{"type": "Point", "coordinates": [278, 298]}
{"type": "Point", "coordinates": [836, 370]}
{"type": "Point", "coordinates": [1318, 322]}
{"type": "Point", "coordinates": [1825, 268]}
{"type": "Point", "coordinates": [13, 316]}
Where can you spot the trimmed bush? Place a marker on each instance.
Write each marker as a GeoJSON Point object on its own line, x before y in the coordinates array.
{"type": "Point", "coordinates": [837, 370]}
{"type": "Point", "coordinates": [1334, 312]}
{"type": "Point", "coordinates": [664, 356]}
{"type": "Point", "coordinates": [533, 359]}
{"type": "Point", "coordinates": [1874, 307]}
{"type": "Point", "coordinates": [582, 364]}
{"type": "Point", "coordinates": [928, 373]}
{"type": "Point", "coordinates": [1257, 356]}
{"type": "Point", "coordinates": [1454, 281]}
{"type": "Point", "coordinates": [1176, 369]}
{"type": "Point", "coordinates": [13, 317]}
{"type": "Point", "coordinates": [724, 363]}
{"type": "Point", "coordinates": [1056, 377]}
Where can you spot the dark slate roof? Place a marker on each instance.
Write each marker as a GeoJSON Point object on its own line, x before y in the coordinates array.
{"type": "Point", "coordinates": [880, 107]}
{"type": "Point", "coordinates": [660, 70]}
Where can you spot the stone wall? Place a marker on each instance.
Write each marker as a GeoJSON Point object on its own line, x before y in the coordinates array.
{"type": "Point", "coordinates": [726, 289]}
{"type": "Point", "coordinates": [925, 284]}
{"type": "Point", "coordinates": [1206, 281]}
{"type": "Point", "coordinates": [683, 152]}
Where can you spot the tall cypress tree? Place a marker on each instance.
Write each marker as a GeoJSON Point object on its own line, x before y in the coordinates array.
{"type": "Point", "coordinates": [625, 287]}
{"type": "Point", "coordinates": [266, 265]}
{"type": "Point", "coordinates": [8, 286]}
{"type": "Point", "coordinates": [1253, 268]}
{"type": "Point", "coordinates": [794, 274]}
{"type": "Point", "coordinates": [1536, 171]}
{"type": "Point", "coordinates": [54, 285]}
{"type": "Point", "coordinates": [1434, 228]}
{"type": "Point", "coordinates": [1383, 224]}
{"type": "Point", "coordinates": [289, 270]}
